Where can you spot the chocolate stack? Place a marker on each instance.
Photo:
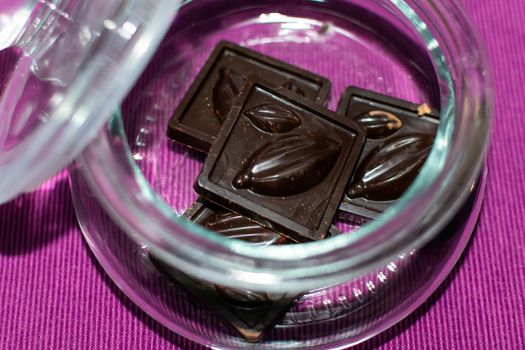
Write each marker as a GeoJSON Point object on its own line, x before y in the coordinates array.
{"type": "Point", "coordinates": [280, 164]}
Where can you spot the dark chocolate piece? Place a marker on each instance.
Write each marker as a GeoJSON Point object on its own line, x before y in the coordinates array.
{"type": "Point", "coordinates": [198, 119]}
{"type": "Point", "coordinates": [289, 172]}
{"type": "Point", "coordinates": [233, 225]}
{"type": "Point", "coordinates": [399, 138]}
{"type": "Point", "coordinates": [250, 313]}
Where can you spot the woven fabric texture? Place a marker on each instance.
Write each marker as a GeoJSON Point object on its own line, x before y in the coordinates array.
{"type": "Point", "coordinates": [54, 295]}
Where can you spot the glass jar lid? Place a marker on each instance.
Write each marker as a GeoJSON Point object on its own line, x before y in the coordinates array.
{"type": "Point", "coordinates": [64, 66]}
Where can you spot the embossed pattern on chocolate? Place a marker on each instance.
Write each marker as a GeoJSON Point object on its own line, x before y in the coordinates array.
{"type": "Point", "coordinates": [291, 182]}
{"type": "Point", "coordinates": [400, 136]}
{"type": "Point", "coordinates": [289, 165]}
{"type": "Point", "coordinates": [273, 118]}
{"type": "Point", "coordinates": [294, 87]}
{"type": "Point", "coordinates": [236, 226]}
{"type": "Point", "coordinates": [243, 298]}
{"type": "Point", "coordinates": [198, 119]}
{"type": "Point", "coordinates": [389, 169]}
{"type": "Point", "coordinates": [379, 124]}
{"type": "Point", "coordinates": [226, 91]}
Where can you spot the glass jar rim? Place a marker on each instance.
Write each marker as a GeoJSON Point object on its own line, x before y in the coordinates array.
{"type": "Point", "coordinates": [454, 164]}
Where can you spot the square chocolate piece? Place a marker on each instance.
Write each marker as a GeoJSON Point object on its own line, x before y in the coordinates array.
{"type": "Point", "coordinates": [282, 160]}
{"type": "Point", "coordinates": [198, 119]}
{"type": "Point", "coordinates": [399, 137]}
{"type": "Point", "coordinates": [250, 313]}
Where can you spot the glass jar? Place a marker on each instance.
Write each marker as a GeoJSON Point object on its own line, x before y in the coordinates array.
{"type": "Point", "coordinates": [129, 196]}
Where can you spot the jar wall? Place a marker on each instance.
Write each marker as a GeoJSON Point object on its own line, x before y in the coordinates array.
{"type": "Point", "coordinates": [128, 196]}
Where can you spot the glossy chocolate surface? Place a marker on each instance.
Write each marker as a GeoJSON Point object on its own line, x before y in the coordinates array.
{"type": "Point", "coordinates": [290, 165]}
{"type": "Point", "coordinates": [282, 160]}
{"type": "Point", "coordinates": [198, 119]}
{"type": "Point", "coordinates": [399, 138]}
{"type": "Point", "coordinates": [232, 225]}
{"type": "Point", "coordinates": [250, 313]}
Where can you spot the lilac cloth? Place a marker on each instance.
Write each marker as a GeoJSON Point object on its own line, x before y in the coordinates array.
{"type": "Point", "coordinates": [54, 295]}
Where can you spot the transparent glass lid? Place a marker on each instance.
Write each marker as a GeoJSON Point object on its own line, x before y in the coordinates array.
{"type": "Point", "coordinates": [64, 66]}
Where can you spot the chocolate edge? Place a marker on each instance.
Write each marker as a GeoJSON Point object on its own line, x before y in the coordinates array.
{"type": "Point", "coordinates": [350, 91]}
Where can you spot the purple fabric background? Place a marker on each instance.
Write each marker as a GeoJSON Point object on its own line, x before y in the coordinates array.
{"type": "Point", "coordinates": [53, 294]}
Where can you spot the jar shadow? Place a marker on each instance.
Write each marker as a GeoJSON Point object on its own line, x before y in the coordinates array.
{"type": "Point", "coordinates": [34, 220]}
